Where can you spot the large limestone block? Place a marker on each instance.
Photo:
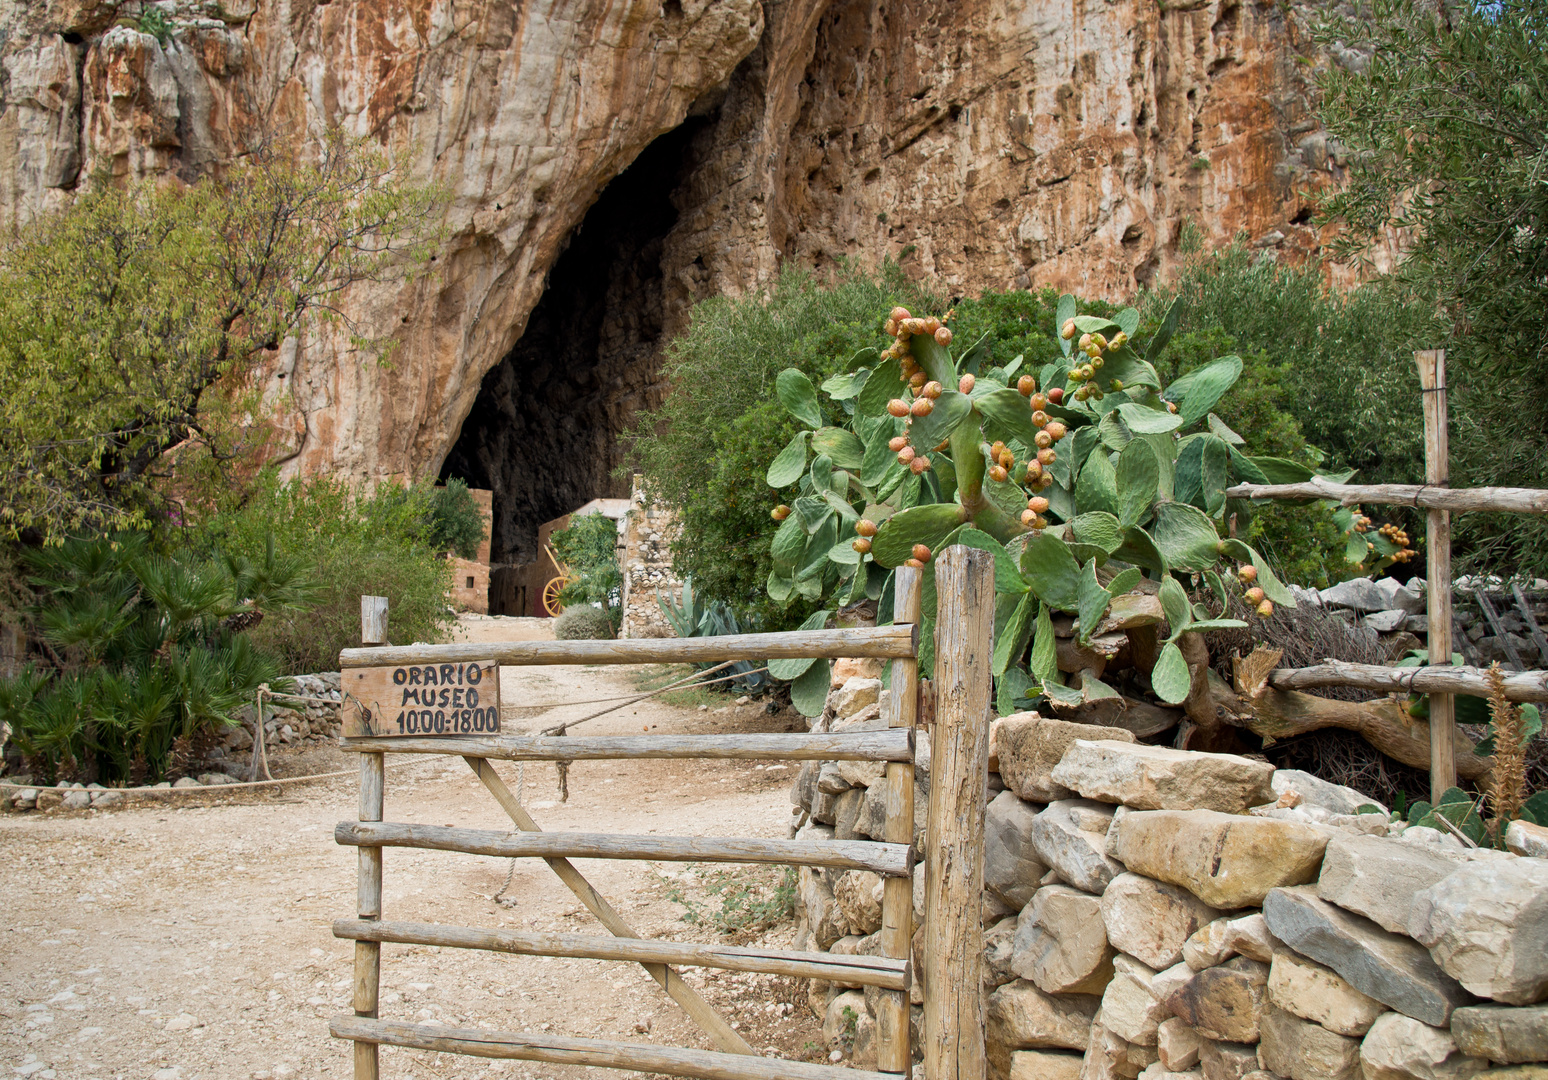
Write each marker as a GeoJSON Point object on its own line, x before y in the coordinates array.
{"type": "Point", "coordinates": [1516, 1072]}
{"type": "Point", "coordinates": [1504, 1033]}
{"type": "Point", "coordinates": [1019, 1016]}
{"type": "Point", "coordinates": [854, 695]}
{"type": "Point", "coordinates": [1151, 920]}
{"type": "Point", "coordinates": [1044, 1065]}
{"type": "Point", "coordinates": [1300, 1050]}
{"type": "Point", "coordinates": [1524, 838]}
{"type": "Point", "coordinates": [1487, 926]}
{"type": "Point", "coordinates": [1075, 853]}
{"type": "Point", "coordinates": [842, 1016]}
{"type": "Point", "coordinates": [1394, 970]}
{"type": "Point", "coordinates": [1178, 1044]}
{"type": "Point", "coordinates": [1250, 936]}
{"type": "Point", "coordinates": [1158, 1071]}
{"type": "Point", "coordinates": [1129, 1008]}
{"type": "Point", "coordinates": [859, 896]}
{"type": "Point", "coordinates": [999, 951]}
{"type": "Point", "coordinates": [1224, 1002]}
{"type": "Point", "coordinates": [823, 913]}
{"type": "Point", "coordinates": [1226, 1060]}
{"type": "Point", "coordinates": [1310, 790]}
{"type": "Point", "coordinates": [1011, 866]}
{"type": "Point", "coordinates": [1061, 943]}
{"type": "Point", "coordinates": [1399, 1047]}
{"type": "Point", "coordinates": [1208, 946]}
{"type": "Point", "coordinates": [1159, 778]}
{"type": "Point", "coordinates": [1109, 1057]}
{"type": "Point", "coordinates": [1378, 878]}
{"type": "Point", "coordinates": [1227, 861]}
{"type": "Point", "coordinates": [1030, 746]}
{"type": "Point", "coordinates": [1316, 993]}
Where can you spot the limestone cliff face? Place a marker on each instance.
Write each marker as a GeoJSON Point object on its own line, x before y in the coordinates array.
{"type": "Point", "coordinates": [995, 142]}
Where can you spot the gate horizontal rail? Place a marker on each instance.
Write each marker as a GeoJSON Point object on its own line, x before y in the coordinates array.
{"type": "Point", "coordinates": [889, 860]}
{"type": "Point", "coordinates": [898, 642]}
{"type": "Point", "coordinates": [890, 744]}
{"type": "Point", "coordinates": [559, 1050]}
{"type": "Point", "coordinates": [878, 971]}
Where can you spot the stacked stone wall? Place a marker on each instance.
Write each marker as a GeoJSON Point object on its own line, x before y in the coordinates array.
{"type": "Point", "coordinates": [646, 556]}
{"type": "Point", "coordinates": [1155, 914]}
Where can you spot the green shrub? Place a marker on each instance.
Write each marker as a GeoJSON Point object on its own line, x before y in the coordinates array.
{"type": "Point", "coordinates": [589, 547]}
{"type": "Point", "coordinates": [704, 451]}
{"type": "Point", "coordinates": [583, 623]}
{"type": "Point", "coordinates": [356, 545]}
{"type": "Point", "coordinates": [455, 523]}
{"type": "Point", "coordinates": [143, 653]}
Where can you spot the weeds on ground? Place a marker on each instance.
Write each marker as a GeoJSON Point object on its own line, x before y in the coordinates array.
{"type": "Point", "coordinates": [655, 676]}
{"type": "Point", "coordinates": [738, 903]}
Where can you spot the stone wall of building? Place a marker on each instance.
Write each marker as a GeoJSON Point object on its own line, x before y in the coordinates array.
{"type": "Point", "coordinates": [647, 566]}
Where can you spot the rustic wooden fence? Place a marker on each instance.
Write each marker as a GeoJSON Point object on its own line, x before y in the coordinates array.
{"type": "Point", "coordinates": [954, 873]}
{"type": "Point", "coordinates": [1440, 680]}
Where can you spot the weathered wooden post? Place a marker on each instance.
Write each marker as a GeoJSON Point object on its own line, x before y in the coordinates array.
{"type": "Point", "coordinates": [897, 931]}
{"type": "Point", "coordinates": [368, 889]}
{"type": "Point", "coordinates": [1437, 471]}
{"type": "Point", "coordinates": [954, 843]}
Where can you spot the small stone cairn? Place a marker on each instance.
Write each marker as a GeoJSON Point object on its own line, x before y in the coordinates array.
{"type": "Point", "coordinates": [1155, 914]}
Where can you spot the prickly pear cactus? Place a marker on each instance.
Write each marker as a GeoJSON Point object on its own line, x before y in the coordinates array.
{"type": "Point", "coordinates": [1087, 479]}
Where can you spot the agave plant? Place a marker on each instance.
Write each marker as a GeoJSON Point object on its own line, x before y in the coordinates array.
{"type": "Point", "coordinates": [1100, 492]}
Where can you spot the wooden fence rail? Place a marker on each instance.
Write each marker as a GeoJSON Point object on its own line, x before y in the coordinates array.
{"type": "Point", "coordinates": [895, 642]}
{"type": "Point", "coordinates": [893, 745]}
{"type": "Point", "coordinates": [1427, 496]}
{"type": "Point", "coordinates": [1519, 686]}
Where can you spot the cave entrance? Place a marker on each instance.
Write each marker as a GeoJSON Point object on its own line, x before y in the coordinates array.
{"type": "Point", "coordinates": [543, 434]}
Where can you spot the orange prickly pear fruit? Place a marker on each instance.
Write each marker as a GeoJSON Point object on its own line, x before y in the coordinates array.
{"type": "Point", "coordinates": [780, 512]}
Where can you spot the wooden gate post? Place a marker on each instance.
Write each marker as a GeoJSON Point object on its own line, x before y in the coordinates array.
{"type": "Point", "coordinates": [1437, 470]}
{"type": "Point", "coordinates": [368, 954]}
{"type": "Point", "coordinates": [954, 843]}
{"type": "Point", "coordinates": [897, 933]}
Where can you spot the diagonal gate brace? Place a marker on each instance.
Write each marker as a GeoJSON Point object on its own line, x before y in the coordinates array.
{"type": "Point", "coordinates": [668, 978]}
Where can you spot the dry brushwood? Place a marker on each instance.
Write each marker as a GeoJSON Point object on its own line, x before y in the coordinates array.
{"type": "Point", "coordinates": [1507, 788]}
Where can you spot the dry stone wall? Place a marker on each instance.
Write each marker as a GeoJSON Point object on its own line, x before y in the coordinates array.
{"type": "Point", "coordinates": [1152, 914]}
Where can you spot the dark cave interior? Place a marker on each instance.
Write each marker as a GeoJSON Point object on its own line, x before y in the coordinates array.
{"type": "Point", "coordinates": [543, 433]}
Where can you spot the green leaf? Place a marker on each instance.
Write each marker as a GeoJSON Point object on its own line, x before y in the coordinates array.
{"type": "Point", "coordinates": [1140, 549]}
{"type": "Point", "coordinates": [1199, 391]}
{"type": "Point", "coordinates": [1267, 581]}
{"type": "Point", "coordinates": [1091, 601]}
{"type": "Point", "coordinates": [1007, 578]}
{"type": "Point", "coordinates": [794, 669]}
{"type": "Point", "coordinates": [1008, 411]}
{"type": "Point", "coordinates": [788, 544]}
{"type": "Point", "coordinates": [1142, 420]}
{"type": "Point", "coordinates": [1170, 678]}
{"type": "Point", "coordinates": [1165, 331]}
{"type": "Point", "coordinates": [1279, 471]}
{"type": "Point", "coordinates": [1218, 585]}
{"type": "Point", "coordinates": [1186, 537]}
{"type": "Point", "coordinates": [1203, 469]}
{"type": "Point", "coordinates": [866, 357]}
{"type": "Point", "coordinates": [1222, 430]}
{"type": "Point", "coordinates": [809, 692]}
{"type": "Point", "coordinates": [1057, 691]}
{"type": "Point", "coordinates": [884, 384]}
{"type": "Point", "coordinates": [1062, 314]}
{"type": "Point", "coordinates": [1128, 321]}
{"type": "Point", "coordinates": [1013, 638]}
{"type": "Point", "coordinates": [1051, 571]}
{"type": "Point", "coordinates": [1095, 324]}
{"type": "Point", "coordinates": [1535, 809]}
{"type": "Point", "coordinates": [1205, 626]}
{"type": "Point", "coordinates": [951, 408]}
{"type": "Point", "coordinates": [1011, 688]}
{"type": "Point", "coordinates": [1045, 648]}
{"type": "Point", "coordinates": [1128, 365]}
{"type": "Point", "coordinates": [928, 525]}
{"type": "Point", "coordinates": [1097, 488]}
{"type": "Point", "coordinates": [821, 473]}
{"type": "Point", "coordinates": [1124, 582]}
{"type": "Point", "coordinates": [1099, 529]}
{"type": "Point", "coordinates": [814, 561]}
{"type": "Point", "coordinates": [787, 468]}
{"type": "Point", "coordinates": [879, 459]}
{"type": "Point", "coordinates": [973, 358]}
{"type": "Point", "coordinates": [799, 397]}
{"type": "Point", "coordinates": [1245, 470]}
{"type": "Point", "coordinates": [1137, 476]}
{"type": "Point", "coordinates": [1174, 602]}
{"type": "Point", "coordinates": [844, 386]}
{"type": "Point", "coordinates": [1112, 432]}
{"type": "Point", "coordinates": [844, 447]}
{"type": "Point", "coordinates": [1165, 449]}
{"type": "Point", "coordinates": [780, 586]}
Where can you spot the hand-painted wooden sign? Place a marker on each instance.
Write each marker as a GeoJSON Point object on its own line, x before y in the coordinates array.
{"type": "Point", "coordinates": [423, 699]}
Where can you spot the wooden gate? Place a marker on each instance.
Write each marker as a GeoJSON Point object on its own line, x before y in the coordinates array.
{"type": "Point", "coordinates": [893, 857]}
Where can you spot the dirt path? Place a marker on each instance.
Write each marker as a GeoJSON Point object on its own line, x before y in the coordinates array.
{"type": "Point", "coordinates": [192, 942]}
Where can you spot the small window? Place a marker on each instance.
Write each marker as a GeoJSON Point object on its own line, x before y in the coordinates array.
{"type": "Point", "coordinates": [470, 583]}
